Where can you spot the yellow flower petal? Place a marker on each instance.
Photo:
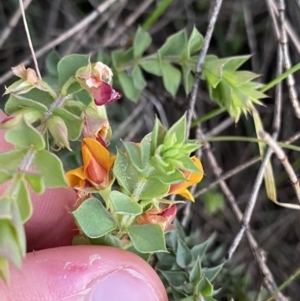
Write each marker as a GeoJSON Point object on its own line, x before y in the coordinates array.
{"type": "Point", "coordinates": [76, 177]}
{"type": "Point", "coordinates": [98, 152]}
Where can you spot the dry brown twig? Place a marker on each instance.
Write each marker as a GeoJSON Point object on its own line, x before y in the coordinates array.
{"type": "Point", "coordinates": [281, 35]}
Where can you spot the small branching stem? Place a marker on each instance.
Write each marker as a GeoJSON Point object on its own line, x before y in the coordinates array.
{"type": "Point", "coordinates": [284, 160]}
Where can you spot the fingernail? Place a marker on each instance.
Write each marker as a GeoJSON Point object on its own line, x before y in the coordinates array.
{"type": "Point", "coordinates": [125, 285]}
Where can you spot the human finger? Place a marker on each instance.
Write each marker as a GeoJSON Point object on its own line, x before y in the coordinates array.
{"type": "Point", "coordinates": [84, 273]}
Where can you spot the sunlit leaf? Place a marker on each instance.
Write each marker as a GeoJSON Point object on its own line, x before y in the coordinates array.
{"type": "Point", "coordinates": [141, 42]}
{"type": "Point", "coordinates": [130, 91]}
{"type": "Point", "coordinates": [174, 45]}
{"type": "Point", "coordinates": [171, 77]}
{"type": "Point", "coordinates": [25, 136]}
{"type": "Point", "coordinates": [93, 218]}
{"type": "Point", "coordinates": [50, 166]}
{"type": "Point", "coordinates": [123, 204]}
{"type": "Point", "coordinates": [147, 238]}
{"type": "Point", "coordinates": [138, 78]}
{"type": "Point", "coordinates": [24, 202]}
{"type": "Point", "coordinates": [68, 66]}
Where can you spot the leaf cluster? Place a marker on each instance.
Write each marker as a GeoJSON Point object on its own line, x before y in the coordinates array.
{"type": "Point", "coordinates": [35, 112]}
{"type": "Point", "coordinates": [182, 270]}
{"type": "Point", "coordinates": [175, 61]}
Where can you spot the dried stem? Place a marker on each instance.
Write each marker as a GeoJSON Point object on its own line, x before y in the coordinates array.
{"type": "Point", "coordinates": [284, 160]}
{"type": "Point", "coordinates": [207, 38]}
{"type": "Point", "coordinates": [29, 39]}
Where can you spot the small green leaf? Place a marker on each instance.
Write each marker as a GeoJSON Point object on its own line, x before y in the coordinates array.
{"type": "Point", "coordinates": [107, 240]}
{"type": "Point", "coordinates": [4, 270]}
{"type": "Point", "coordinates": [174, 45]}
{"type": "Point", "coordinates": [134, 154]}
{"type": "Point", "coordinates": [50, 166]}
{"type": "Point", "coordinates": [187, 78]}
{"type": "Point", "coordinates": [141, 42]}
{"type": "Point", "coordinates": [165, 261]}
{"type": "Point", "coordinates": [205, 287]}
{"type": "Point", "coordinates": [84, 97]}
{"type": "Point", "coordinates": [9, 245]}
{"type": "Point", "coordinates": [199, 250]}
{"type": "Point", "coordinates": [120, 57]}
{"type": "Point", "coordinates": [234, 62]}
{"type": "Point", "coordinates": [151, 66]}
{"type": "Point", "coordinates": [12, 159]}
{"type": "Point", "coordinates": [175, 278]}
{"type": "Point", "coordinates": [138, 78]}
{"type": "Point", "coordinates": [128, 86]}
{"type": "Point", "coordinates": [40, 97]}
{"type": "Point", "coordinates": [24, 202]}
{"type": "Point", "coordinates": [4, 176]}
{"type": "Point", "coordinates": [147, 238]}
{"type": "Point", "coordinates": [171, 77]}
{"type": "Point", "coordinates": [36, 182]}
{"type": "Point", "coordinates": [211, 273]}
{"type": "Point", "coordinates": [212, 71]}
{"type": "Point", "coordinates": [125, 174]}
{"type": "Point", "coordinates": [123, 204]}
{"type": "Point", "coordinates": [183, 255]}
{"type": "Point", "coordinates": [93, 219]}
{"type": "Point", "coordinates": [157, 136]}
{"type": "Point", "coordinates": [74, 123]}
{"type": "Point", "coordinates": [269, 178]}
{"type": "Point", "coordinates": [238, 78]}
{"type": "Point", "coordinates": [68, 66]}
{"type": "Point", "coordinates": [24, 135]}
{"type": "Point", "coordinates": [178, 130]}
{"type": "Point", "coordinates": [195, 42]}
{"type": "Point", "coordinates": [5, 207]}
{"type": "Point", "coordinates": [52, 60]}
{"type": "Point", "coordinates": [170, 178]}
{"type": "Point", "coordinates": [196, 272]}
{"type": "Point", "coordinates": [16, 103]}
{"type": "Point", "coordinates": [153, 189]}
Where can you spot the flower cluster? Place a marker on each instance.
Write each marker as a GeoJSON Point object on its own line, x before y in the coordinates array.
{"type": "Point", "coordinates": [133, 184]}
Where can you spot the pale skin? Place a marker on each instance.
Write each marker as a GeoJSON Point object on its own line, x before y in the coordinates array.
{"type": "Point", "coordinates": [54, 270]}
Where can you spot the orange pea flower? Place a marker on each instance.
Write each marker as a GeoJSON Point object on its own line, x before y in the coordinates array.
{"type": "Point", "coordinates": [97, 164]}
{"type": "Point", "coordinates": [163, 216]}
{"type": "Point", "coordinates": [191, 179]}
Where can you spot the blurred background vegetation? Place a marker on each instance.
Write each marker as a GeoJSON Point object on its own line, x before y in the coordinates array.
{"type": "Point", "coordinates": [243, 27]}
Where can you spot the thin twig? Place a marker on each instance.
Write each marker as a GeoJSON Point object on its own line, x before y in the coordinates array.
{"type": "Point", "coordinates": [220, 127]}
{"type": "Point", "coordinates": [284, 160]}
{"type": "Point", "coordinates": [29, 39]}
{"type": "Point", "coordinates": [281, 35]}
{"type": "Point", "coordinates": [256, 250]}
{"type": "Point", "coordinates": [290, 31]}
{"type": "Point", "coordinates": [228, 175]}
{"type": "Point", "coordinates": [251, 35]}
{"type": "Point", "coordinates": [251, 204]}
{"type": "Point", "coordinates": [202, 55]}
{"type": "Point", "coordinates": [129, 21]}
{"type": "Point", "coordinates": [286, 59]}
